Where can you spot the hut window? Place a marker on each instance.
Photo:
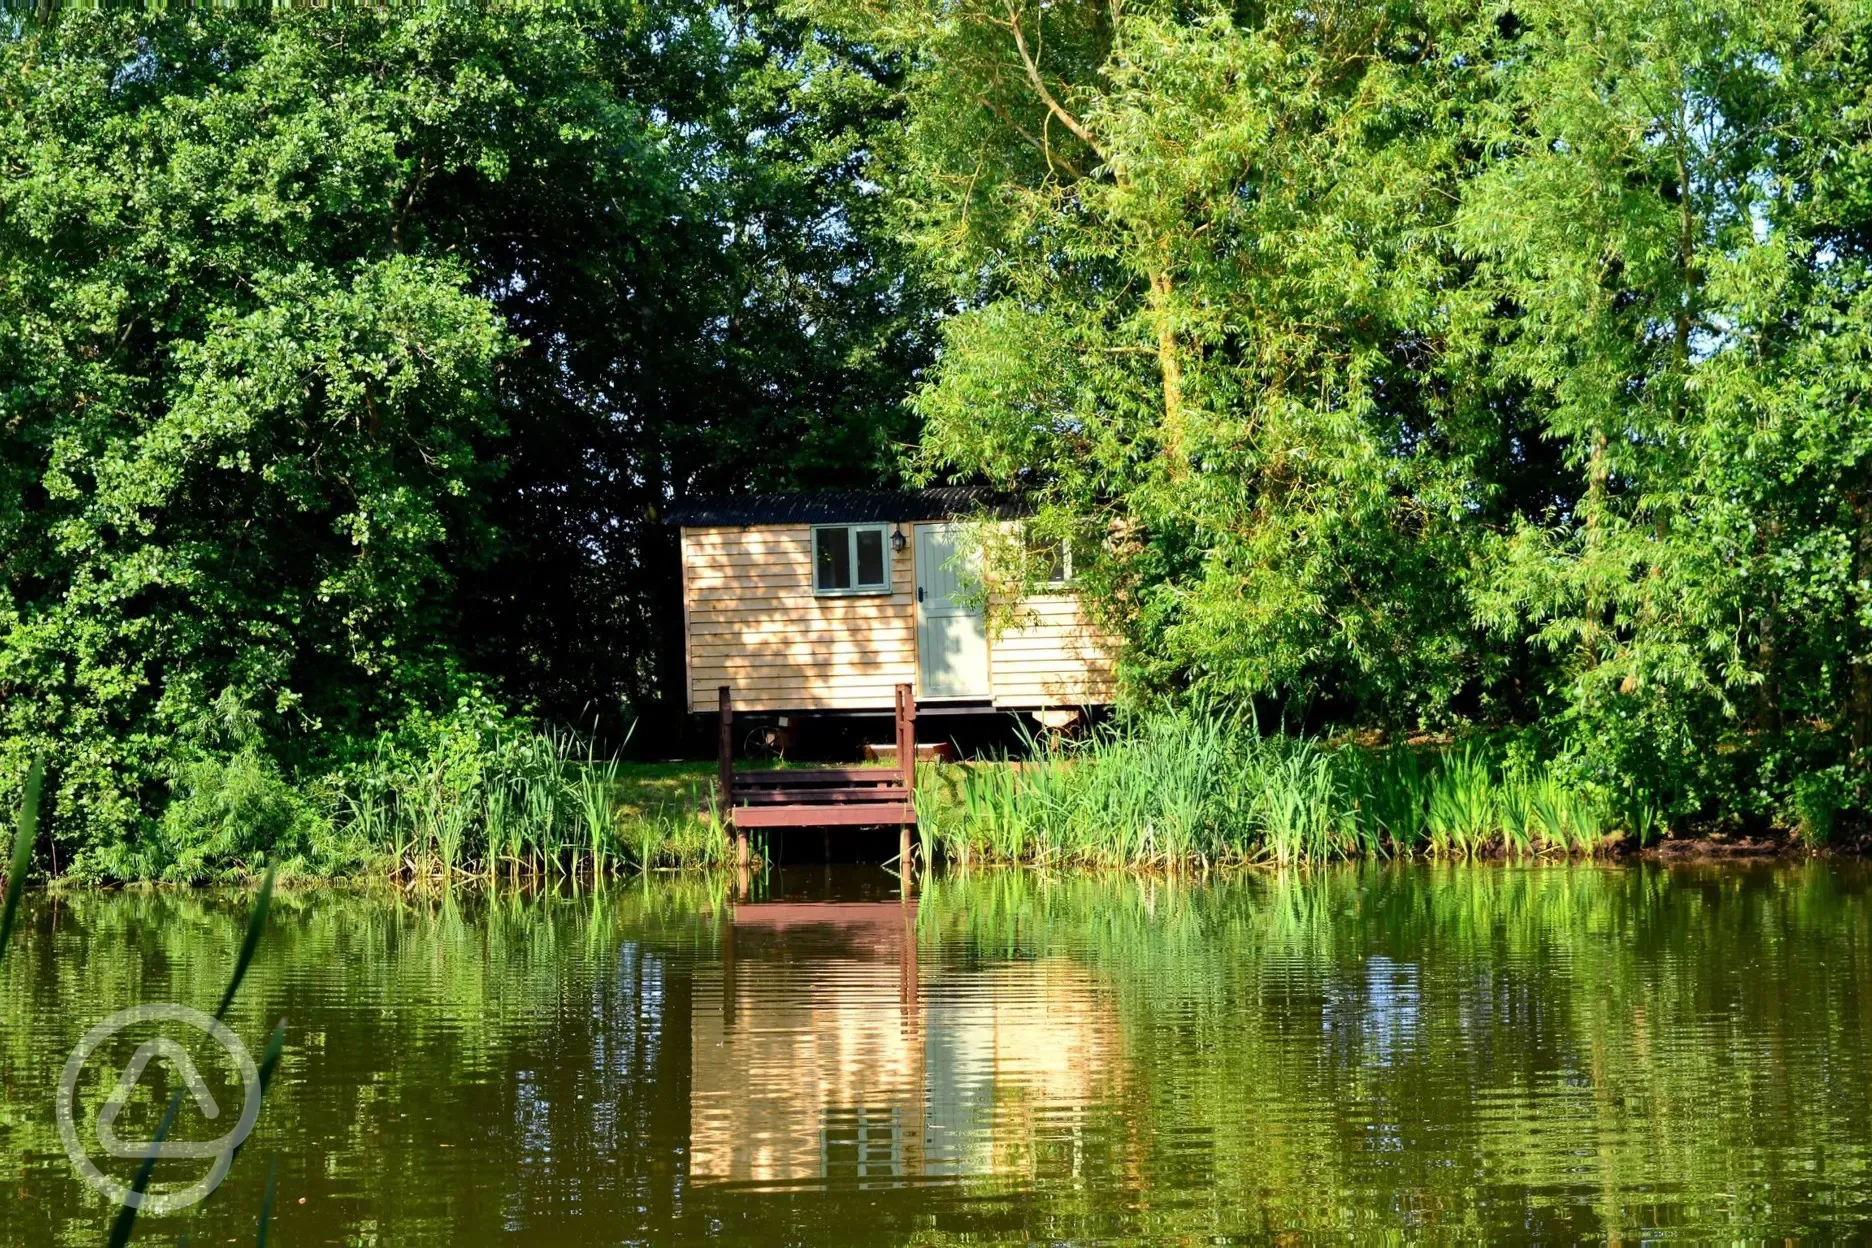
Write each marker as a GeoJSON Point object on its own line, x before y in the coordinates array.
{"type": "Point", "coordinates": [1053, 561]}
{"type": "Point", "coordinates": [850, 559]}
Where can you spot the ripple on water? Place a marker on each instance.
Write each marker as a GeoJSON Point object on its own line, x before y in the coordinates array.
{"type": "Point", "coordinates": [1576, 1053]}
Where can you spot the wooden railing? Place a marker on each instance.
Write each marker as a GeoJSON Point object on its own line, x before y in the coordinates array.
{"type": "Point", "coordinates": [820, 797]}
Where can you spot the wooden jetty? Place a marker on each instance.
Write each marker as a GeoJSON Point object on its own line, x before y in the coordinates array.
{"type": "Point", "coordinates": [821, 797]}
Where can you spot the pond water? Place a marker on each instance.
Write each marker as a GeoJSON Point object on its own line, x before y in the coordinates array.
{"type": "Point", "coordinates": [1552, 1053]}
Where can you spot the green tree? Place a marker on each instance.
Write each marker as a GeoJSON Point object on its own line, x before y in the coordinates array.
{"type": "Point", "coordinates": [346, 359]}
{"type": "Point", "coordinates": [1671, 219]}
{"type": "Point", "coordinates": [1207, 274]}
{"type": "Point", "coordinates": [738, 317]}
{"type": "Point", "coordinates": [1430, 362]}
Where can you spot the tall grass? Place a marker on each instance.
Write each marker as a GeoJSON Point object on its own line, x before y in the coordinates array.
{"type": "Point", "coordinates": [21, 860]}
{"type": "Point", "coordinates": [1462, 817]}
{"type": "Point", "coordinates": [1165, 792]}
{"type": "Point", "coordinates": [531, 804]}
{"type": "Point", "coordinates": [1389, 791]}
{"type": "Point", "coordinates": [1193, 789]}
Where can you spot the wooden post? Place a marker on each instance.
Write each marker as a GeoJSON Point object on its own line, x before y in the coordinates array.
{"type": "Point", "coordinates": [908, 986]}
{"type": "Point", "coordinates": [728, 973]}
{"type": "Point", "coordinates": [906, 735]}
{"type": "Point", "coordinates": [725, 777]}
{"type": "Point", "coordinates": [906, 762]}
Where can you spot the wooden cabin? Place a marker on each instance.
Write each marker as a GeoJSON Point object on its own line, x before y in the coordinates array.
{"type": "Point", "coordinates": [827, 602]}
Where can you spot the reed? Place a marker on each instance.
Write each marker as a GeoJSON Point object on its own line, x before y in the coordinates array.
{"type": "Point", "coordinates": [1302, 807]}
{"type": "Point", "coordinates": [266, 1205]}
{"type": "Point", "coordinates": [1192, 789]}
{"type": "Point", "coordinates": [1390, 793]}
{"type": "Point", "coordinates": [1514, 810]}
{"type": "Point", "coordinates": [1565, 820]}
{"type": "Point", "coordinates": [516, 803]}
{"type": "Point", "coordinates": [1587, 824]}
{"type": "Point", "coordinates": [1461, 817]}
{"type": "Point", "coordinates": [592, 789]}
{"type": "Point", "coordinates": [21, 861]}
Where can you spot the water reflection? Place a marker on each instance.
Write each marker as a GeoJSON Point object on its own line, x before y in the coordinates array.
{"type": "Point", "coordinates": [1556, 1053]}
{"type": "Point", "coordinates": [824, 1051]}
{"type": "Point", "coordinates": [808, 1049]}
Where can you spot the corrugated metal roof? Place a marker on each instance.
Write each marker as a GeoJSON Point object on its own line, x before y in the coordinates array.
{"type": "Point", "coordinates": [846, 507]}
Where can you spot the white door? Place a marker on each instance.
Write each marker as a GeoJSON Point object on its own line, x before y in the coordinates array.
{"type": "Point", "coordinates": [952, 636]}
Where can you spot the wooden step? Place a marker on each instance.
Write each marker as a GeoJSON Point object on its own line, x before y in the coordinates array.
{"type": "Point", "coordinates": [869, 814]}
{"type": "Point", "coordinates": [817, 796]}
{"type": "Point", "coordinates": [800, 776]}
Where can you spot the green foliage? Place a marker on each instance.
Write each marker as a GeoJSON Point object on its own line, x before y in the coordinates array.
{"type": "Point", "coordinates": [1198, 252]}
{"type": "Point", "coordinates": [1389, 365]}
{"type": "Point", "coordinates": [1431, 365]}
{"type": "Point", "coordinates": [1194, 789]}
{"type": "Point", "coordinates": [231, 818]}
{"type": "Point", "coordinates": [1462, 814]}
{"type": "Point", "coordinates": [1819, 797]}
{"type": "Point", "coordinates": [1389, 793]}
{"type": "Point", "coordinates": [347, 357]}
{"type": "Point", "coordinates": [473, 792]}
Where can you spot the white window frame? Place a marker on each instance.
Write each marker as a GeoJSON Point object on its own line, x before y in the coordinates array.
{"type": "Point", "coordinates": [1065, 583]}
{"type": "Point", "coordinates": [851, 552]}
{"type": "Point", "coordinates": [1066, 568]}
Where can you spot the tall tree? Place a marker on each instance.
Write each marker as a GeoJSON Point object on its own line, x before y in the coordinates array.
{"type": "Point", "coordinates": [347, 357]}
{"type": "Point", "coordinates": [1672, 219]}
{"type": "Point", "coordinates": [1207, 267]}
{"type": "Point", "coordinates": [756, 331]}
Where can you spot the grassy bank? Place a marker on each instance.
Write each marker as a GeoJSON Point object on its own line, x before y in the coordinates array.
{"type": "Point", "coordinates": [479, 796]}
{"type": "Point", "coordinates": [1181, 789]}
{"type": "Point", "coordinates": [539, 806]}
{"type": "Point", "coordinates": [455, 799]}
{"type": "Point", "coordinates": [469, 792]}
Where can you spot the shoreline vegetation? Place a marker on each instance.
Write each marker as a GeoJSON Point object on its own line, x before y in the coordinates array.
{"type": "Point", "coordinates": [1189, 789]}
{"type": "Point", "coordinates": [475, 797]}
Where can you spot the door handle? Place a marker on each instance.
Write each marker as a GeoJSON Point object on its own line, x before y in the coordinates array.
{"type": "Point", "coordinates": [919, 593]}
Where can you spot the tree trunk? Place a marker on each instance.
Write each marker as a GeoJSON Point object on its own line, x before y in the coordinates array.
{"type": "Point", "coordinates": [1767, 643]}
{"type": "Point", "coordinates": [1597, 474]}
{"type": "Point", "coordinates": [1859, 690]}
{"type": "Point", "coordinates": [1170, 364]}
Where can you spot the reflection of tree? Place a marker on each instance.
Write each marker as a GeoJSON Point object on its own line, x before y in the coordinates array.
{"type": "Point", "coordinates": [425, 1035]}
{"type": "Point", "coordinates": [1355, 1050]}
{"type": "Point", "coordinates": [1557, 1052]}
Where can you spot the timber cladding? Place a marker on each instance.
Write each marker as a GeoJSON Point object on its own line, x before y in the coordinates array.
{"type": "Point", "coordinates": [754, 623]}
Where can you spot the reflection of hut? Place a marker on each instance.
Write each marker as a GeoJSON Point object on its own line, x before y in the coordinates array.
{"type": "Point", "coordinates": [808, 1054]}
{"type": "Point", "coordinates": [1006, 1047]}
{"type": "Point", "coordinates": [818, 1053]}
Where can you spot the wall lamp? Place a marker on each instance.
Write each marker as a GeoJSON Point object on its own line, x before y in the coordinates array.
{"type": "Point", "coordinates": [897, 539]}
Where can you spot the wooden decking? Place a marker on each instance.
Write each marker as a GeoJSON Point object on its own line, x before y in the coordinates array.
{"type": "Point", "coordinates": [820, 797]}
